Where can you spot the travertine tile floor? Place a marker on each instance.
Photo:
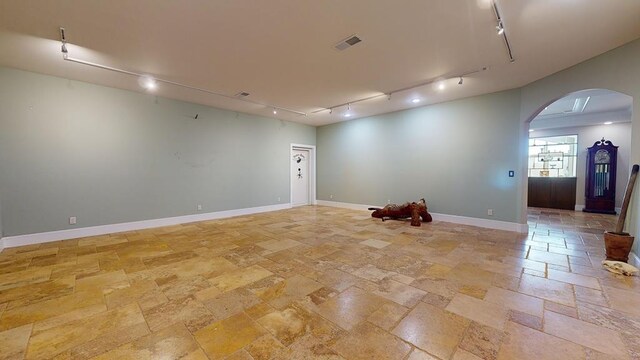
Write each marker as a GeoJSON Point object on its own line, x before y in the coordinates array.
{"type": "Point", "coordinates": [322, 283]}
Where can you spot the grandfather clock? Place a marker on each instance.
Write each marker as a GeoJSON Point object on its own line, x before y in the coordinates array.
{"type": "Point", "coordinates": [600, 186]}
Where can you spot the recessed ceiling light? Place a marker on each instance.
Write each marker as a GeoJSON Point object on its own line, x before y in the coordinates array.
{"type": "Point", "coordinates": [441, 85]}
{"type": "Point", "coordinates": [275, 111]}
{"type": "Point", "coordinates": [415, 101]}
{"type": "Point", "coordinates": [347, 115]}
{"type": "Point", "coordinates": [608, 123]}
{"type": "Point", "coordinates": [148, 82]}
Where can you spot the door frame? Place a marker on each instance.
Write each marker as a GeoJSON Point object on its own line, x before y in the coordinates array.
{"type": "Point", "coordinates": [312, 172]}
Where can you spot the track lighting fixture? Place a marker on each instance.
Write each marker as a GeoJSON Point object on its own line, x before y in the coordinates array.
{"type": "Point", "coordinates": [150, 83]}
{"type": "Point", "coordinates": [330, 111]}
{"type": "Point", "coordinates": [501, 30]}
{"type": "Point", "coordinates": [439, 84]}
{"type": "Point", "coordinates": [348, 113]}
{"type": "Point", "coordinates": [196, 117]}
{"type": "Point", "coordinates": [63, 39]}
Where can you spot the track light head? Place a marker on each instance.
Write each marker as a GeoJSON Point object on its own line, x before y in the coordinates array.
{"type": "Point", "coordinates": [330, 111]}
{"type": "Point", "coordinates": [196, 117]}
{"type": "Point", "coordinates": [500, 27]}
{"type": "Point", "coordinates": [461, 81]}
{"type": "Point", "coordinates": [63, 39]}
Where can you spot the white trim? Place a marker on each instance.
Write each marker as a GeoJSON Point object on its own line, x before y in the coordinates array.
{"type": "Point", "coordinates": [29, 239]}
{"type": "Point", "coordinates": [1, 244]}
{"type": "Point", "coordinates": [634, 259]}
{"type": "Point", "coordinates": [345, 205]}
{"type": "Point", "coordinates": [581, 207]}
{"type": "Point", "coordinates": [464, 220]}
{"type": "Point", "coordinates": [312, 171]}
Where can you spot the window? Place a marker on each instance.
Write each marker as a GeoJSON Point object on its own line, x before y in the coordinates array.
{"type": "Point", "coordinates": [553, 156]}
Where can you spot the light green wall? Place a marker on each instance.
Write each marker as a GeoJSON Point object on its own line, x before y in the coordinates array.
{"type": "Point", "coordinates": [1, 234]}
{"type": "Point", "coordinates": [456, 155]}
{"type": "Point", "coordinates": [108, 156]}
{"type": "Point", "coordinates": [617, 70]}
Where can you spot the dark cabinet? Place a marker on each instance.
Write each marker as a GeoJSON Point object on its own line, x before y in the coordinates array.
{"type": "Point", "coordinates": [600, 182]}
{"type": "Point", "coordinates": [552, 192]}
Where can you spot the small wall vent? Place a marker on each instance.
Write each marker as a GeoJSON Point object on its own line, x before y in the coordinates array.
{"type": "Point", "coordinates": [348, 42]}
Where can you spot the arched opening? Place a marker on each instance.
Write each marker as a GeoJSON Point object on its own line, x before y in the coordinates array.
{"type": "Point", "coordinates": [559, 133]}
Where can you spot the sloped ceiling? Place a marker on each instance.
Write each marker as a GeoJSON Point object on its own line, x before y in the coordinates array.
{"type": "Point", "coordinates": [282, 51]}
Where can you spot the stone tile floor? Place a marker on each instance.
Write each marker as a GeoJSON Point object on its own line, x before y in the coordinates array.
{"type": "Point", "coordinates": [322, 283]}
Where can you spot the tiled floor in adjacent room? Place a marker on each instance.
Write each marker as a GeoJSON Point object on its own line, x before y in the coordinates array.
{"type": "Point", "coordinates": [322, 283]}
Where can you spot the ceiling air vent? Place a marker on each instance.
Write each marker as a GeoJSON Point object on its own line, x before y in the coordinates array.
{"type": "Point", "coordinates": [348, 42]}
{"type": "Point", "coordinates": [242, 94]}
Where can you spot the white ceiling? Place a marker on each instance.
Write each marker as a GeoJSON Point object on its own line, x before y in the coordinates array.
{"type": "Point", "coordinates": [281, 51]}
{"type": "Point", "coordinates": [583, 108]}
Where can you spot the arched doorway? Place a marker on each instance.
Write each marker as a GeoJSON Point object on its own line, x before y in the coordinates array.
{"type": "Point", "coordinates": [557, 135]}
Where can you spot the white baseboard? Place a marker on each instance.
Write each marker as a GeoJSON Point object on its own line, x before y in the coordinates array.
{"type": "Point", "coordinates": [29, 239]}
{"type": "Point", "coordinates": [581, 207]}
{"type": "Point", "coordinates": [634, 259]}
{"type": "Point", "coordinates": [345, 205]}
{"type": "Point", "coordinates": [464, 220]}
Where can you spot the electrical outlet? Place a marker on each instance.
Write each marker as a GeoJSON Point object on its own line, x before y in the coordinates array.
{"type": "Point", "coordinates": [278, 198]}
{"type": "Point", "coordinates": [331, 196]}
{"type": "Point", "coordinates": [199, 207]}
{"type": "Point", "coordinates": [490, 212]}
{"type": "Point", "coordinates": [73, 220]}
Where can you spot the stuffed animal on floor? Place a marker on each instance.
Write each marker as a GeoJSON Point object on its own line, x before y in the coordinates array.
{"type": "Point", "coordinates": [413, 210]}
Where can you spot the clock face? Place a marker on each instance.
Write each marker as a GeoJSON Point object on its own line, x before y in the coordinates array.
{"type": "Point", "coordinates": [602, 157]}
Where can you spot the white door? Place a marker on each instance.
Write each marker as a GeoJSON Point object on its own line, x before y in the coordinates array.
{"type": "Point", "coordinates": [300, 177]}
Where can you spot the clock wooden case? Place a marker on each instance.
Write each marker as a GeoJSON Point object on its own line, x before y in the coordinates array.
{"type": "Point", "coordinates": [600, 186]}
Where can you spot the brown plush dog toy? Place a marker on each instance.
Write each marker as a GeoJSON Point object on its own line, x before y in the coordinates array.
{"type": "Point", "coordinates": [413, 210]}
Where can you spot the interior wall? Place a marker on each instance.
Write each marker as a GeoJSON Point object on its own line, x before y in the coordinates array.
{"type": "Point", "coordinates": [617, 70]}
{"type": "Point", "coordinates": [618, 133]}
{"type": "Point", "coordinates": [456, 155]}
{"type": "Point", "coordinates": [1, 233]}
{"type": "Point", "coordinates": [109, 156]}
